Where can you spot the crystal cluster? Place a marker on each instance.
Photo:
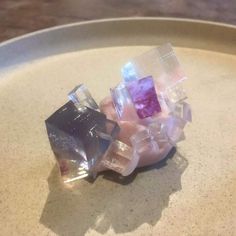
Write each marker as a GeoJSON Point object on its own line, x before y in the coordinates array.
{"type": "Point", "coordinates": [151, 96]}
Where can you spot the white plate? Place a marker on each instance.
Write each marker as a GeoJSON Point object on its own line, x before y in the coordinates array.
{"type": "Point", "coordinates": [194, 194]}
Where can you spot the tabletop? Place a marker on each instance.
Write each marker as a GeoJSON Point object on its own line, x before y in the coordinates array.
{"type": "Point", "coordinates": [19, 17]}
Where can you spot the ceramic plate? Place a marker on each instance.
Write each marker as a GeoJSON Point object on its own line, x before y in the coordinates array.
{"type": "Point", "coordinates": [193, 194]}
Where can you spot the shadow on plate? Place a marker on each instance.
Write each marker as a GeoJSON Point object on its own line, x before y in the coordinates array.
{"type": "Point", "coordinates": [122, 204]}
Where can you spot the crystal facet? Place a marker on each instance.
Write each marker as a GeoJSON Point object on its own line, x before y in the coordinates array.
{"type": "Point", "coordinates": [158, 131]}
{"type": "Point", "coordinates": [144, 97]}
{"type": "Point", "coordinates": [160, 62]}
{"type": "Point", "coordinates": [143, 142]}
{"type": "Point", "coordinates": [176, 93]}
{"type": "Point", "coordinates": [79, 138]}
{"type": "Point", "coordinates": [81, 96]}
{"type": "Point", "coordinates": [170, 64]}
{"type": "Point", "coordinates": [183, 111]}
{"type": "Point", "coordinates": [174, 129]}
{"type": "Point", "coordinates": [119, 157]}
{"type": "Point", "coordinates": [123, 104]}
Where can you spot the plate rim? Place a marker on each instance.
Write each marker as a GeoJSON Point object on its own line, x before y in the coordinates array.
{"type": "Point", "coordinates": [118, 19]}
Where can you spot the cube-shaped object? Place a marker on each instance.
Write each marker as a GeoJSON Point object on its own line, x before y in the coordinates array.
{"type": "Point", "coordinates": [183, 111]}
{"type": "Point", "coordinates": [144, 97]}
{"type": "Point", "coordinates": [120, 158]}
{"type": "Point", "coordinates": [143, 142]}
{"type": "Point", "coordinates": [158, 130]}
{"type": "Point", "coordinates": [174, 129]}
{"type": "Point", "coordinates": [160, 62]}
{"type": "Point", "coordinates": [81, 96]}
{"type": "Point", "coordinates": [176, 93]}
{"type": "Point", "coordinates": [123, 104]}
{"type": "Point", "coordinates": [79, 138]}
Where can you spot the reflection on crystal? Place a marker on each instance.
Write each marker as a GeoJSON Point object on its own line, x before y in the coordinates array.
{"type": "Point", "coordinates": [128, 72]}
{"type": "Point", "coordinates": [158, 131]}
{"type": "Point", "coordinates": [71, 170]}
{"type": "Point", "coordinates": [79, 138]}
{"type": "Point", "coordinates": [144, 97]}
{"type": "Point", "coordinates": [80, 95]}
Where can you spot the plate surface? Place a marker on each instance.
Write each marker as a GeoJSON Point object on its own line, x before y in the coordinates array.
{"type": "Point", "coordinates": [194, 194]}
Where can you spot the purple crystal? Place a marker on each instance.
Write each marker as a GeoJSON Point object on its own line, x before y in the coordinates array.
{"type": "Point", "coordinates": [79, 139]}
{"type": "Point", "coordinates": [144, 97]}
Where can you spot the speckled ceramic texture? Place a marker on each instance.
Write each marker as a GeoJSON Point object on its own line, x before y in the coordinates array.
{"type": "Point", "coordinates": [193, 194]}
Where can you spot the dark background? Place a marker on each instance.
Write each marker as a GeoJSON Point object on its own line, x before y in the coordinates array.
{"type": "Point", "coordinates": [18, 17]}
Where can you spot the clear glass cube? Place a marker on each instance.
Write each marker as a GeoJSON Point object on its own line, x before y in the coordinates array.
{"type": "Point", "coordinates": [158, 130]}
{"type": "Point", "coordinates": [123, 103]}
{"type": "Point", "coordinates": [160, 62]}
{"type": "Point", "coordinates": [143, 142]}
{"type": "Point", "coordinates": [174, 129]}
{"type": "Point", "coordinates": [81, 96]}
{"type": "Point", "coordinates": [183, 111]}
{"type": "Point", "coordinates": [120, 158]}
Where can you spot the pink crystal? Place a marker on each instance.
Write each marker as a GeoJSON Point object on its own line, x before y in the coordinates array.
{"type": "Point", "coordinates": [144, 97]}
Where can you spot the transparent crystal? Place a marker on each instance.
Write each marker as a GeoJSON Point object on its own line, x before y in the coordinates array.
{"type": "Point", "coordinates": [143, 141]}
{"type": "Point", "coordinates": [183, 111]}
{"type": "Point", "coordinates": [170, 64]}
{"type": "Point", "coordinates": [69, 154]}
{"type": "Point", "coordinates": [81, 96]}
{"type": "Point", "coordinates": [174, 129]}
{"type": "Point", "coordinates": [143, 65]}
{"type": "Point", "coordinates": [176, 93]}
{"type": "Point", "coordinates": [79, 137]}
{"type": "Point", "coordinates": [160, 62]}
{"type": "Point", "coordinates": [122, 103]}
{"type": "Point", "coordinates": [158, 130]}
{"type": "Point", "coordinates": [119, 157]}
{"type": "Point", "coordinates": [72, 170]}
{"type": "Point", "coordinates": [165, 109]}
